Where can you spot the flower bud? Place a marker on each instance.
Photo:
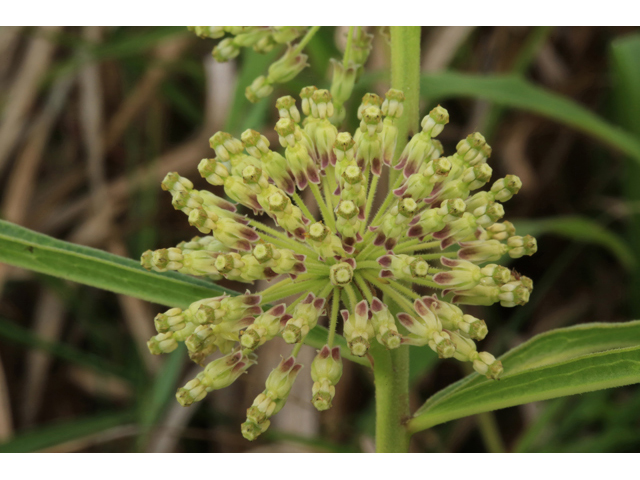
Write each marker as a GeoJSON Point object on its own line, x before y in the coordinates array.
{"type": "Point", "coordinates": [162, 343]}
{"type": "Point", "coordinates": [384, 325]}
{"type": "Point", "coordinates": [505, 188]}
{"type": "Point", "coordinates": [287, 67]}
{"type": "Point", "coordinates": [326, 371]}
{"type": "Point", "coordinates": [271, 401]}
{"type": "Point", "coordinates": [324, 242]}
{"type": "Point", "coordinates": [304, 318]}
{"type": "Point", "coordinates": [470, 149]}
{"type": "Point", "coordinates": [434, 123]}
{"type": "Point", "coordinates": [258, 89]}
{"type": "Point", "coordinates": [520, 246]}
{"type": "Point", "coordinates": [225, 145]}
{"type": "Point", "coordinates": [225, 50]}
{"type": "Point", "coordinates": [426, 331]}
{"type": "Point", "coordinates": [218, 374]}
{"type": "Point", "coordinates": [484, 363]}
{"type": "Point", "coordinates": [499, 231]}
{"type": "Point", "coordinates": [169, 321]}
{"type": "Point", "coordinates": [287, 108]}
{"type": "Point", "coordinates": [369, 100]}
{"type": "Point", "coordinates": [212, 171]}
{"type": "Point", "coordinates": [208, 32]}
{"type": "Point", "coordinates": [393, 103]}
{"type": "Point", "coordinates": [343, 81]}
{"type": "Point", "coordinates": [402, 267]}
{"type": "Point", "coordinates": [358, 330]}
{"type": "Point", "coordinates": [264, 328]}
{"type": "Point", "coordinates": [306, 95]}
{"type": "Point", "coordinates": [481, 251]}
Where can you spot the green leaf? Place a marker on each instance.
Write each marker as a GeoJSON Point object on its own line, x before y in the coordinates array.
{"type": "Point", "coordinates": [161, 393]}
{"type": "Point", "coordinates": [580, 229]}
{"type": "Point", "coordinates": [625, 65]}
{"type": "Point", "coordinates": [561, 362]}
{"type": "Point", "coordinates": [33, 441]}
{"type": "Point", "coordinates": [27, 249]}
{"type": "Point", "coordinates": [24, 336]}
{"type": "Point", "coordinates": [515, 92]}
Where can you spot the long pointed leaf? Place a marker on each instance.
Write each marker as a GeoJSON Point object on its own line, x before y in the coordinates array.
{"type": "Point", "coordinates": [27, 249]}
{"type": "Point", "coordinates": [49, 436]}
{"type": "Point", "coordinates": [515, 92]}
{"type": "Point", "coordinates": [581, 229]}
{"type": "Point", "coordinates": [554, 364]}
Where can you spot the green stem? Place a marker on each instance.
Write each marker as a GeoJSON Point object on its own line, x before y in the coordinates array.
{"type": "Point", "coordinates": [302, 206]}
{"type": "Point", "coordinates": [490, 432]}
{"type": "Point", "coordinates": [334, 316]}
{"type": "Point", "coordinates": [303, 43]}
{"type": "Point", "coordinates": [370, 197]}
{"type": "Point", "coordinates": [391, 367]}
{"type": "Point", "coordinates": [402, 289]}
{"type": "Point", "coordinates": [369, 264]}
{"type": "Point", "coordinates": [426, 283]}
{"type": "Point", "coordinates": [391, 377]}
{"type": "Point", "coordinates": [327, 215]}
{"type": "Point", "coordinates": [285, 241]}
{"type": "Point", "coordinates": [351, 295]}
{"type": "Point", "coordinates": [415, 248]}
{"type": "Point", "coordinates": [347, 50]}
{"type": "Point", "coordinates": [437, 256]}
{"type": "Point", "coordinates": [290, 290]}
{"type": "Point", "coordinates": [364, 287]}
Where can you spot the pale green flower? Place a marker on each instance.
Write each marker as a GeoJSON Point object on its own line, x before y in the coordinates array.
{"type": "Point", "coordinates": [336, 249]}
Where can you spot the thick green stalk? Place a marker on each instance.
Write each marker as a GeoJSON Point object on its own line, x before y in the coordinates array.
{"type": "Point", "coordinates": [391, 373]}
{"type": "Point", "coordinates": [391, 370]}
{"type": "Point", "coordinates": [405, 76]}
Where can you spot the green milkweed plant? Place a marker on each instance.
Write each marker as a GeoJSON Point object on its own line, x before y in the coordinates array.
{"type": "Point", "coordinates": [341, 228]}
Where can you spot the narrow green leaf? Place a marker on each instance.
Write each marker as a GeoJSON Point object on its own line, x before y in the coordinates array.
{"type": "Point", "coordinates": [625, 66]}
{"type": "Point", "coordinates": [33, 441]}
{"type": "Point", "coordinates": [27, 249]}
{"type": "Point", "coordinates": [161, 393]}
{"type": "Point", "coordinates": [515, 92]}
{"type": "Point", "coordinates": [24, 336]}
{"type": "Point", "coordinates": [561, 362]}
{"type": "Point", "coordinates": [580, 229]}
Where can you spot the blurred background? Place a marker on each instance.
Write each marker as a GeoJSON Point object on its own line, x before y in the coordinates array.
{"type": "Point", "coordinates": [91, 119]}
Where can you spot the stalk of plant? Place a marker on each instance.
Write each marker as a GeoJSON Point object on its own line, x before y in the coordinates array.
{"type": "Point", "coordinates": [359, 262]}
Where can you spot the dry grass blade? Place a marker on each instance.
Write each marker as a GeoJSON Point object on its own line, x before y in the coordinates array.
{"type": "Point", "coordinates": [84, 443]}
{"type": "Point", "coordinates": [145, 90]}
{"type": "Point", "coordinates": [49, 317]}
{"type": "Point", "coordinates": [21, 182]}
{"type": "Point", "coordinates": [6, 421]}
{"type": "Point", "coordinates": [168, 430]}
{"type": "Point", "coordinates": [9, 41]}
{"type": "Point", "coordinates": [100, 385]}
{"type": "Point", "coordinates": [442, 47]}
{"type": "Point", "coordinates": [138, 317]}
{"type": "Point", "coordinates": [24, 90]}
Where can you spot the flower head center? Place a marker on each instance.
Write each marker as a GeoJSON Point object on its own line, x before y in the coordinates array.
{"type": "Point", "coordinates": [341, 274]}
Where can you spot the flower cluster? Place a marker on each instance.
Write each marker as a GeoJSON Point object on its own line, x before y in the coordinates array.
{"type": "Point", "coordinates": [293, 60]}
{"type": "Point", "coordinates": [434, 229]}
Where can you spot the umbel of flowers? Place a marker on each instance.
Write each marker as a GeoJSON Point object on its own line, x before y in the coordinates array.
{"type": "Point", "coordinates": [435, 228]}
